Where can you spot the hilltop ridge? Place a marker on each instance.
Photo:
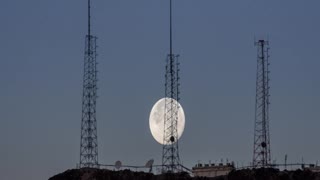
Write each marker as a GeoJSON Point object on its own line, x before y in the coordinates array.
{"type": "Point", "coordinates": [246, 174]}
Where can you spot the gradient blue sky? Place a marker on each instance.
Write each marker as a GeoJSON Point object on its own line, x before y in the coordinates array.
{"type": "Point", "coordinates": [41, 68]}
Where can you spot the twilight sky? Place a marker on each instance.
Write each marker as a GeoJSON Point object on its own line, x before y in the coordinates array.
{"type": "Point", "coordinates": [41, 68]}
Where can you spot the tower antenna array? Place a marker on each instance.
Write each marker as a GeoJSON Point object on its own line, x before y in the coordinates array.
{"type": "Point", "coordinates": [261, 150]}
{"type": "Point", "coordinates": [89, 137]}
{"type": "Point", "coordinates": [170, 151]}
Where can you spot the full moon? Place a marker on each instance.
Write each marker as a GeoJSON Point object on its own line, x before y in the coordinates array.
{"type": "Point", "coordinates": [156, 120]}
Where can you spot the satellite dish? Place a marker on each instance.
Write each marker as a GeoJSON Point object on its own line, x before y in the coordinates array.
{"type": "Point", "coordinates": [149, 163]}
{"type": "Point", "coordinates": [118, 164]}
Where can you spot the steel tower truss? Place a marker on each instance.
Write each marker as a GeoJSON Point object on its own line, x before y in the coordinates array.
{"type": "Point", "coordinates": [89, 137]}
{"type": "Point", "coordinates": [170, 151]}
{"type": "Point", "coordinates": [261, 151]}
{"type": "Point", "coordinates": [170, 156]}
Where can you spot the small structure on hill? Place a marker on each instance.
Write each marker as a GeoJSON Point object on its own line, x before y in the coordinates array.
{"type": "Point", "coordinates": [212, 170]}
{"type": "Point", "coordinates": [312, 168]}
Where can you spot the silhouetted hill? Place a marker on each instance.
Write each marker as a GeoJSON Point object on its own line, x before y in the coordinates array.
{"type": "Point", "coordinates": [102, 174]}
{"type": "Point", "coordinates": [247, 174]}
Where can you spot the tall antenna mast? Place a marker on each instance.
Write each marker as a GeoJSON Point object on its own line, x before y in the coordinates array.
{"type": "Point", "coordinates": [89, 136]}
{"type": "Point", "coordinates": [89, 18]}
{"type": "Point", "coordinates": [170, 26]}
{"type": "Point", "coordinates": [261, 149]}
{"type": "Point", "coordinates": [170, 150]}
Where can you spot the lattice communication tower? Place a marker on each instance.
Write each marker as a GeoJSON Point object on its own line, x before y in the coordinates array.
{"type": "Point", "coordinates": [89, 137]}
{"type": "Point", "coordinates": [261, 151]}
{"type": "Point", "coordinates": [170, 152]}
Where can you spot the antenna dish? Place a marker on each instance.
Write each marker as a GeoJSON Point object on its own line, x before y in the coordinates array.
{"type": "Point", "coordinates": [149, 163]}
{"type": "Point", "coordinates": [118, 164]}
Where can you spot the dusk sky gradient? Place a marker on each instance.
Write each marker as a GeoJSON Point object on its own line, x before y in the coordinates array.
{"type": "Point", "coordinates": [41, 70]}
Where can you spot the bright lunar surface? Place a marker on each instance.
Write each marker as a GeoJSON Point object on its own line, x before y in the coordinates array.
{"type": "Point", "coordinates": [156, 120]}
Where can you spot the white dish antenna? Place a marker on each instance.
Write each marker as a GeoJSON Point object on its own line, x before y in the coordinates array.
{"type": "Point", "coordinates": [118, 164]}
{"type": "Point", "coordinates": [149, 164]}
